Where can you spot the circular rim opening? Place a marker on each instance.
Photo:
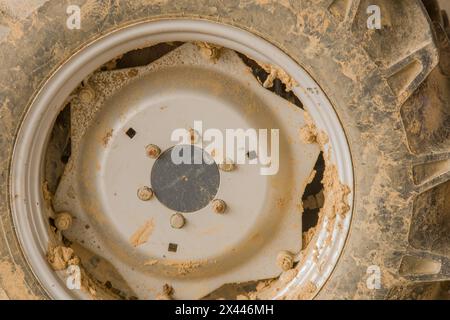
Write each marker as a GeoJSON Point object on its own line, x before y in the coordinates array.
{"type": "Point", "coordinates": [26, 167]}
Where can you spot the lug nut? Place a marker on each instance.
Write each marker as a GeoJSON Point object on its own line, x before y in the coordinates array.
{"type": "Point", "coordinates": [285, 260]}
{"type": "Point", "coordinates": [153, 151]}
{"type": "Point", "coordinates": [145, 193]}
{"type": "Point", "coordinates": [194, 136]}
{"type": "Point", "coordinates": [227, 166]}
{"type": "Point", "coordinates": [177, 221]}
{"type": "Point", "coordinates": [219, 206]}
{"type": "Point", "coordinates": [63, 221]}
{"type": "Point", "coordinates": [86, 95]}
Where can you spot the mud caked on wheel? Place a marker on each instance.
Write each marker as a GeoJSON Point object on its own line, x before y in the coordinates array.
{"type": "Point", "coordinates": [344, 197]}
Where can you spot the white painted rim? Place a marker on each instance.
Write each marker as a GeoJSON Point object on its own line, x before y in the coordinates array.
{"type": "Point", "coordinates": [26, 171]}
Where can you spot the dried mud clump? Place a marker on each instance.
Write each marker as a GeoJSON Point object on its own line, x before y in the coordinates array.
{"type": "Point", "coordinates": [166, 294]}
{"type": "Point", "coordinates": [310, 134]}
{"type": "Point", "coordinates": [142, 234]}
{"type": "Point", "coordinates": [277, 73]}
{"type": "Point", "coordinates": [209, 50]}
{"type": "Point", "coordinates": [61, 257]}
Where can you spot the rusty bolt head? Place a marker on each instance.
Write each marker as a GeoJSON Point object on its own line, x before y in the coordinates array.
{"type": "Point", "coordinates": [63, 221]}
{"type": "Point", "coordinates": [194, 136]}
{"type": "Point", "coordinates": [153, 151]}
{"type": "Point", "coordinates": [219, 206]}
{"type": "Point", "coordinates": [177, 221]}
{"type": "Point", "coordinates": [227, 166]}
{"type": "Point", "coordinates": [145, 193]}
{"type": "Point", "coordinates": [285, 260]}
{"type": "Point", "coordinates": [86, 95]}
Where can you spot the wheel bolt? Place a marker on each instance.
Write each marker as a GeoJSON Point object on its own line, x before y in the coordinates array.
{"type": "Point", "coordinates": [285, 260]}
{"type": "Point", "coordinates": [194, 136]}
{"type": "Point", "coordinates": [86, 95]}
{"type": "Point", "coordinates": [177, 221]}
{"type": "Point", "coordinates": [227, 166]}
{"type": "Point", "coordinates": [63, 221]}
{"type": "Point", "coordinates": [145, 193]}
{"type": "Point", "coordinates": [219, 206]}
{"type": "Point", "coordinates": [153, 151]}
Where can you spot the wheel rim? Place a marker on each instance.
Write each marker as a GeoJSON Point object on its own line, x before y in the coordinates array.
{"type": "Point", "coordinates": [32, 228]}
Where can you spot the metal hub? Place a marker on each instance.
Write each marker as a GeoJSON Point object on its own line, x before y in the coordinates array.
{"type": "Point", "coordinates": [185, 187]}
{"type": "Point", "coordinates": [116, 117]}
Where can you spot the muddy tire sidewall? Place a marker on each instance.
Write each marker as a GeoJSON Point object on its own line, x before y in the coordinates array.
{"type": "Point", "coordinates": [366, 105]}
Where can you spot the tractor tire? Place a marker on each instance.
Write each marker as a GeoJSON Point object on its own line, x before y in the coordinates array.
{"type": "Point", "coordinates": [389, 89]}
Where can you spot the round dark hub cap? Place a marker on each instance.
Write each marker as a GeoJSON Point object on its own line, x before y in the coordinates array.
{"type": "Point", "coordinates": [188, 185]}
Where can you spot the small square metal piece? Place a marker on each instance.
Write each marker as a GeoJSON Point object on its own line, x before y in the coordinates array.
{"type": "Point", "coordinates": [131, 133]}
{"type": "Point", "coordinates": [172, 247]}
{"type": "Point", "coordinates": [252, 155]}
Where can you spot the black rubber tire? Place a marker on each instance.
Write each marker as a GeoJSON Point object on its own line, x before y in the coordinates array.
{"type": "Point", "coordinates": [384, 84]}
